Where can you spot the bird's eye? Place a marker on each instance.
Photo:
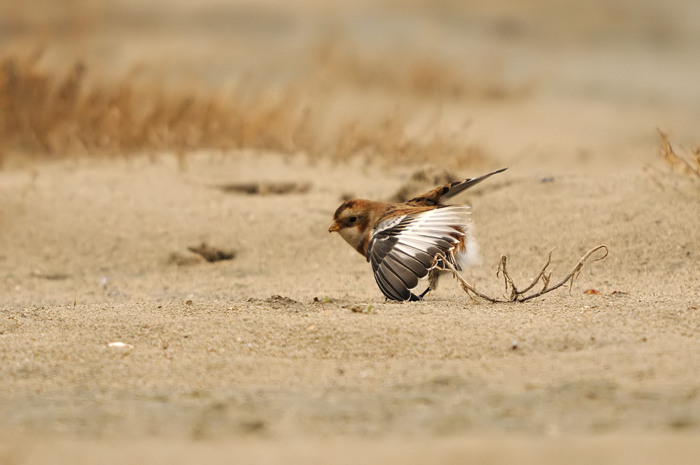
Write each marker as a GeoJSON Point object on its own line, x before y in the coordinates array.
{"type": "Point", "coordinates": [352, 219]}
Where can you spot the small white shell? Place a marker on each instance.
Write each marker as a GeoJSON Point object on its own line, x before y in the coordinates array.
{"type": "Point", "coordinates": [119, 345]}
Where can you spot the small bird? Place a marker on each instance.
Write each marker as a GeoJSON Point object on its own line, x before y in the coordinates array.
{"type": "Point", "coordinates": [401, 240]}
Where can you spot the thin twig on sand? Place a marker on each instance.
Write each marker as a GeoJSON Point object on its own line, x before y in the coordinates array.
{"type": "Point", "coordinates": [515, 295]}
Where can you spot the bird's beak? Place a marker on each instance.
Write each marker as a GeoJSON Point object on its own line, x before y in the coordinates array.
{"type": "Point", "coordinates": [334, 227]}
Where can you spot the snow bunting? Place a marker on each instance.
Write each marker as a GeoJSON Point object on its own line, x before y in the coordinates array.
{"type": "Point", "coordinates": [401, 240]}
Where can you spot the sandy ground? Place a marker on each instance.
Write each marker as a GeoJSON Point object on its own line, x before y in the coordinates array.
{"type": "Point", "coordinates": [289, 353]}
{"type": "Point", "coordinates": [219, 352]}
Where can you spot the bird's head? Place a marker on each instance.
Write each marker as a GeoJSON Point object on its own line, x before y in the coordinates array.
{"type": "Point", "coordinates": [353, 221]}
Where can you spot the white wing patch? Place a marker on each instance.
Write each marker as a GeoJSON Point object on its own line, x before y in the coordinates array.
{"type": "Point", "coordinates": [402, 249]}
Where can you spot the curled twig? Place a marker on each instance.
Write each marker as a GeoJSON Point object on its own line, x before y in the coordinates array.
{"type": "Point", "coordinates": [516, 295]}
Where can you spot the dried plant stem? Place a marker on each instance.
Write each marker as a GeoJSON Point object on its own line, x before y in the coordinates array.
{"type": "Point", "coordinates": [516, 295]}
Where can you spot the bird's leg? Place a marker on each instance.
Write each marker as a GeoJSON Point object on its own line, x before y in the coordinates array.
{"type": "Point", "coordinates": [424, 293]}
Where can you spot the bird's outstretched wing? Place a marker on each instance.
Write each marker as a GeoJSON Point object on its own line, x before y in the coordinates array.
{"type": "Point", "coordinates": [402, 248]}
{"type": "Point", "coordinates": [434, 196]}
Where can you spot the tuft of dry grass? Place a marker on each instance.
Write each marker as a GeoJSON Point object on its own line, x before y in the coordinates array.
{"type": "Point", "coordinates": [49, 114]}
{"type": "Point", "coordinates": [686, 162]}
{"type": "Point", "coordinates": [54, 115]}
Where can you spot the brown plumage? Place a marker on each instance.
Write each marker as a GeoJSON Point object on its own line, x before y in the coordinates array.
{"type": "Point", "coordinates": [401, 240]}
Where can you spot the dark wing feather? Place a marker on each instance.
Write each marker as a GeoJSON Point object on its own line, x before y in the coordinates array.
{"type": "Point", "coordinates": [401, 249]}
{"type": "Point", "coordinates": [389, 286]}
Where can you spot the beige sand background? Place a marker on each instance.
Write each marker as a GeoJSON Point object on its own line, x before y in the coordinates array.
{"type": "Point", "coordinates": [288, 352]}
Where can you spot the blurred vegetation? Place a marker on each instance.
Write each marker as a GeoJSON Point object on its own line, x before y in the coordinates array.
{"type": "Point", "coordinates": [49, 113]}
{"type": "Point", "coordinates": [377, 79]}
{"type": "Point", "coordinates": [217, 76]}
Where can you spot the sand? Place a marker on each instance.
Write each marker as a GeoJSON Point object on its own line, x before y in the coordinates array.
{"type": "Point", "coordinates": [291, 343]}
{"type": "Point", "coordinates": [117, 343]}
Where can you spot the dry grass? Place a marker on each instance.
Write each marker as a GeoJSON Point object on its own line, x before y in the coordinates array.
{"type": "Point", "coordinates": [58, 114]}
{"type": "Point", "coordinates": [46, 114]}
{"type": "Point", "coordinates": [686, 161]}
